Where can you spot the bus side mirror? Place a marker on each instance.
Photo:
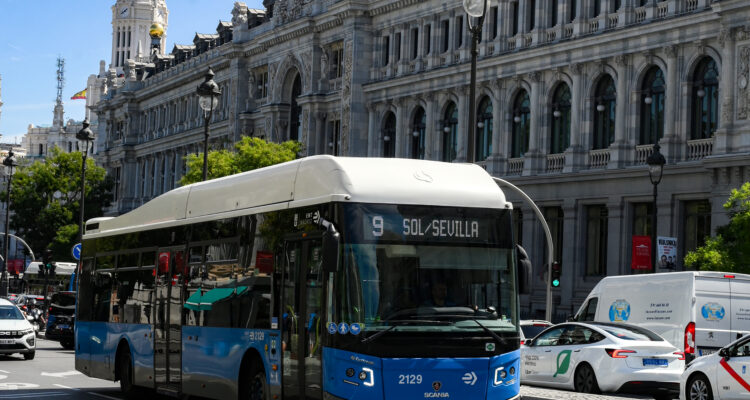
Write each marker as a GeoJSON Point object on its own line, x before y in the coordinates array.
{"type": "Point", "coordinates": [523, 269]}
{"type": "Point", "coordinates": [330, 249]}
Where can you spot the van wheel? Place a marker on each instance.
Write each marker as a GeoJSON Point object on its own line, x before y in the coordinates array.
{"type": "Point", "coordinates": [698, 388]}
{"type": "Point", "coordinates": [585, 380]}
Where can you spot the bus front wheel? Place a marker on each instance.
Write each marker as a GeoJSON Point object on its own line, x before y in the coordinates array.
{"type": "Point", "coordinates": [125, 367]}
{"type": "Point", "coordinates": [256, 387]}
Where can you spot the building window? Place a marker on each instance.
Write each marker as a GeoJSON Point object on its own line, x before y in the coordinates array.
{"type": "Point", "coordinates": [427, 39]}
{"type": "Point", "coordinates": [41, 149]}
{"type": "Point", "coordinates": [596, 240]}
{"type": "Point", "coordinates": [553, 13]}
{"type": "Point", "coordinates": [573, 4]}
{"type": "Point", "coordinates": [518, 226]}
{"type": "Point", "coordinates": [514, 15]}
{"type": "Point", "coordinates": [334, 137]}
{"type": "Point", "coordinates": [450, 133]}
{"type": "Point", "coordinates": [652, 103]}
{"type": "Point", "coordinates": [295, 110]}
{"type": "Point", "coordinates": [560, 135]}
{"type": "Point", "coordinates": [605, 107]}
{"type": "Point", "coordinates": [597, 8]}
{"type": "Point", "coordinates": [261, 79]}
{"type": "Point", "coordinates": [642, 217]}
{"type": "Point", "coordinates": [143, 178]}
{"type": "Point", "coordinates": [419, 125]}
{"type": "Point", "coordinates": [118, 177]}
{"type": "Point", "coordinates": [397, 47]}
{"type": "Point", "coordinates": [459, 32]}
{"type": "Point", "coordinates": [337, 54]}
{"type": "Point", "coordinates": [615, 5]}
{"type": "Point", "coordinates": [389, 135]}
{"type": "Point", "coordinates": [483, 145]}
{"type": "Point", "coordinates": [531, 14]}
{"type": "Point", "coordinates": [521, 125]}
{"type": "Point", "coordinates": [386, 50]}
{"type": "Point", "coordinates": [173, 171]}
{"type": "Point", "coordinates": [705, 100]}
{"type": "Point", "coordinates": [555, 220]}
{"type": "Point", "coordinates": [414, 43]}
{"type": "Point", "coordinates": [70, 147]}
{"type": "Point", "coordinates": [697, 223]}
{"type": "Point", "coordinates": [152, 176]}
{"type": "Point", "coordinates": [494, 13]}
{"type": "Point", "coordinates": [446, 35]}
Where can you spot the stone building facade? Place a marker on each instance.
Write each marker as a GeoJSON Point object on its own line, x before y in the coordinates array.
{"type": "Point", "coordinates": [571, 98]}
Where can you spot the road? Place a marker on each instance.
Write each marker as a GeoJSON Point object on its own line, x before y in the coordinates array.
{"type": "Point", "coordinates": [52, 375]}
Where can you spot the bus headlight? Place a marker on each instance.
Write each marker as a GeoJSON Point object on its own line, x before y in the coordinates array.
{"type": "Point", "coordinates": [368, 373]}
{"type": "Point", "coordinates": [500, 374]}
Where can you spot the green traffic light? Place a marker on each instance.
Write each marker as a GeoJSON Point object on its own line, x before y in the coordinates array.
{"type": "Point", "coordinates": [555, 282]}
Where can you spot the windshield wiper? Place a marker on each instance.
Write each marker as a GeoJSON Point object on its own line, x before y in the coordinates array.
{"type": "Point", "coordinates": [401, 322]}
{"type": "Point", "coordinates": [492, 333]}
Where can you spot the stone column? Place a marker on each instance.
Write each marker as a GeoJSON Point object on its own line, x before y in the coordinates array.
{"type": "Point", "coordinates": [727, 81]}
{"type": "Point", "coordinates": [372, 132]}
{"type": "Point", "coordinates": [463, 120]}
{"type": "Point", "coordinates": [533, 158]}
{"type": "Point", "coordinates": [321, 144]}
{"type": "Point", "coordinates": [614, 245]}
{"type": "Point", "coordinates": [496, 161]}
{"type": "Point", "coordinates": [430, 129]}
{"type": "Point", "coordinates": [671, 143]}
{"type": "Point", "coordinates": [621, 151]}
{"type": "Point", "coordinates": [569, 277]}
{"type": "Point", "coordinates": [401, 128]}
{"type": "Point", "coordinates": [575, 155]}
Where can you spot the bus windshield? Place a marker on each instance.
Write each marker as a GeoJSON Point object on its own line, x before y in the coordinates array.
{"type": "Point", "coordinates": [436, 269]}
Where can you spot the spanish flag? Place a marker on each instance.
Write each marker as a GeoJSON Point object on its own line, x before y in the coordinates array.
{"type": "Point", "coordinates": [79, 95]}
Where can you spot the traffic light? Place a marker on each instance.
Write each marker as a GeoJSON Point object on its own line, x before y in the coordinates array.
{"type": "Point", "coordinates": [555, 274]}
{"type": "Point", "coordinates": [47, 264]}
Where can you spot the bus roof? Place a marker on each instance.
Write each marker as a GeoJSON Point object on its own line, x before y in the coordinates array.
{"type": "Point", "coordinates": [314, 180]}
{"type": "Point", "coordinates": [61, 268]}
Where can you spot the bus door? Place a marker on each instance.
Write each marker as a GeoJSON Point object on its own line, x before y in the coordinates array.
{"type": "Point", "coordinates": [302, 323]}
{"type": "Point", "coordinates": [170, 288]}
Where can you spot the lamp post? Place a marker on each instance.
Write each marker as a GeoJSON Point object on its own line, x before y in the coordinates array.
{"type": "Point", "coordinates": [10, 162]}
{"type": "Point", "coordinates": [208, 99]}
{"type": "Point", "coordinates": [85, 135]}
{"type": "Point", "coordinates": [655, 163]}
{"type": "Point", "coordinates": [476, 9]}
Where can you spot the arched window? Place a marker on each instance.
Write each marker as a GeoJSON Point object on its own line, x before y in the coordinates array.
{"type": "Point", "coordinates": [605, 104]}
{"type": "Point", "coordinates": [521, 125]}
{"type": "Point", "coordinates": [615, 6]}
{"type": "Point", "coordinates": [597, 8]}
{"type": "Point", "coordinates": [652, 103]}
{"type": "Point", "coordinates": [705, 100]}
{"type": "Point", "coordinates": [295, 111]}
{"type": "Point", "coordinates": [483, 145]}
{"type": "Point", "coordinates": [560, 134]}
{"type": "Point", "coordinates": [450, 133]}
{"type": "Point", "coordinates": [389, 135]}
{"type": "Point", "coordinates": [419, 123]}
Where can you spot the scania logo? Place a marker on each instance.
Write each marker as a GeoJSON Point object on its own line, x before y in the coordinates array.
{"type": "Point", "coordinates": [437, 385]}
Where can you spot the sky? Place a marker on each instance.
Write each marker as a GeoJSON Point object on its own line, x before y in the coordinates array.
{"type": "Point", "coordinates": [34, 33]}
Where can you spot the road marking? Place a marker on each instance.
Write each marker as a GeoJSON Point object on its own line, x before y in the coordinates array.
{"type": "Point", "coordinates": [4, 371]}
{"type": "Point", "coordinates": [64, 387]}
{"type": "Point", "coordinates": [3, 377]}
{"type": "Point", "coordinates": [60, 374]}
{"type": "Point", "coordinates": [103, 396]}
{"type": "Point", "coordinates": [16, 386]}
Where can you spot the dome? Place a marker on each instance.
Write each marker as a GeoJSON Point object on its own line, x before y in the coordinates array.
{"type": "Point", "coordinates": [156, 30]}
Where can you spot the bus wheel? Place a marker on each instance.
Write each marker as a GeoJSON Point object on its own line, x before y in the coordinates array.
{"type": "Point", "coordinates": [256, 388]}
{"type": "Point", "coordinates": [67, 344]}
{"type": "Point", "coordinates": [125, 366]}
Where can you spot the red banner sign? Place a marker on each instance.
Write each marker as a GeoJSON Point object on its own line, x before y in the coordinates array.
{"type": "Point", "coordinates": [641, 259]}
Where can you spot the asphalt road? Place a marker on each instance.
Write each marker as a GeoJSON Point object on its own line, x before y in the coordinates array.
{"type": "Point", "coordinates": [52, 375]}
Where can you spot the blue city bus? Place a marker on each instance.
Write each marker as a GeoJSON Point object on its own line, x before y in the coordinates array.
{"type": "Point", "coordinates": [321, 278]}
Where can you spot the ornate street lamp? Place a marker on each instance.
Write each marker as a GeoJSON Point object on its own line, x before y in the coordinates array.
{"type": "Point", "coordinates": [208, 99]}
{"type": "Point", "coordinates": [475, 9]}
{"type": "Point", "coordinates": [85, 135]}
{"type": "Point", "coordinates": [9, 161]}
{"type": "Point", "coordinates": [655, 163]}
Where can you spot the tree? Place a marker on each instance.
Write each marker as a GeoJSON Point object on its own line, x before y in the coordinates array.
{"type": "Point", "coordinates": [250, 153]}
{"type": "Point", "coordinates": [729, 250]}
{"type": "Point", "coordinates": [45, 200]}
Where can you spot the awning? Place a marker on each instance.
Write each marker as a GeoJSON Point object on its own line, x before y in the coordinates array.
{"type": "Point", "coordinates": [198, 302]}
{"type": "Point", "coordinates": [194, 301]}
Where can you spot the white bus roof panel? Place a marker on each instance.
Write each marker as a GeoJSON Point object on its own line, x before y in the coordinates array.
{"type": "Point", "coordinates": [321, 179]}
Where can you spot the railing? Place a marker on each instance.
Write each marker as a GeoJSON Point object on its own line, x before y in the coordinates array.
{"type": "Point", "coordinates": [662, 9]}
{"type": "Point", "coordinates": [482, 164]}
{"type": "Point", "coordinates": [640, 14]}
{"type": "Point", "coordinates": [515, 166]}
{"type": "Point", "coordinates": [527, 40]}
{"type": "Point", "coordinates": [598, 158]}
{"type": "Point", "coordinates": [691, 5]}
{"type": "Point", "coordinates": [551, 35]}
{"type": "Point", "coordinates": [567, 31]}
{"type": "Point", "coordinates": [593, 26]}
{"type": "Point", "coordinates": [511, 44]}
{"type": "Point", "coordinates": [457, 57]}
{"type": "Point", "coordinates": [411, 67]}
{"type": "Point", "coordinates": [700, 148]}
{"type": "Point", "coordinates": [642, 152]}
{"type": "Point", "coordinates": [612, 21]}
{"type": "Point", "coordinates": [555, 162]}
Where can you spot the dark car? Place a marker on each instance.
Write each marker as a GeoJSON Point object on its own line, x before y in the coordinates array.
{"type": "Point", "coordinates": [61, 318]}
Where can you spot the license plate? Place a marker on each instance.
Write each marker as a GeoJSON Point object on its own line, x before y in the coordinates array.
{"type": "Point", "coordinates": [655, 361]}
{"type": "Point", "coordinates": [7, 341]}
{"type": "Point", "coordinates": [63, 326]}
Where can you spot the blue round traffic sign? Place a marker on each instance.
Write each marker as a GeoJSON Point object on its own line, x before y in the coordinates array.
{"type": "Point", "coordinates": [77, 251]}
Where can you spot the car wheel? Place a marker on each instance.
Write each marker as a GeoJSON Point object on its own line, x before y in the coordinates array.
{"type": "Point", "coordinates": [698, 388]}
{"type": "Point", "coordinates": [585, 380]}
{"type": "Point", "coordinates": [29, 356]}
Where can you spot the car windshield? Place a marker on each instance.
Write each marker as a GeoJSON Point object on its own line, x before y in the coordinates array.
{"type": "Point", "coordinates": [530, 331]}
{"type": "Point", "coordinates": [10, 312]}
{"type": "Point", "coordinates": [63, 299]}
{"type": "Point", "coordinates": [630, 333]}
{"type": "Point", "coordinates": [428, 269]}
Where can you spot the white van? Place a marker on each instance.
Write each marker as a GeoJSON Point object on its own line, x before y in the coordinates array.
{"type": "Point", "coordinates": [699, 312]}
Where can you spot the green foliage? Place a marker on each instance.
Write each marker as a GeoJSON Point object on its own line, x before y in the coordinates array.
{"type": "Point", "coordinates": [250, 153]}
{"type": "Point", "coordinates": [45, 200]}
{"type": "Point", "coordinates": [729, 250]}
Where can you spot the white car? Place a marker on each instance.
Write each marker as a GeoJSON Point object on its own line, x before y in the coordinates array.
{"type": "Point", "coordinates": [16, 333]}
{"type": "Point", "coordinates": [603, 357]}
{"type": "Point", "coordinates": [722, 375]}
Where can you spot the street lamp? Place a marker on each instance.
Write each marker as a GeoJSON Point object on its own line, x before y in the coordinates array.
{"type": "Point", "coordinates": [208, 99]}
{"type": "Point", "coordinates": [655, 163]}
{"type": "Point", "coordinates": [86, 135]}
{"type": "Point", "coordinates": [10, 162]}
{"type": "Point", "coordinates": [475, 9]}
